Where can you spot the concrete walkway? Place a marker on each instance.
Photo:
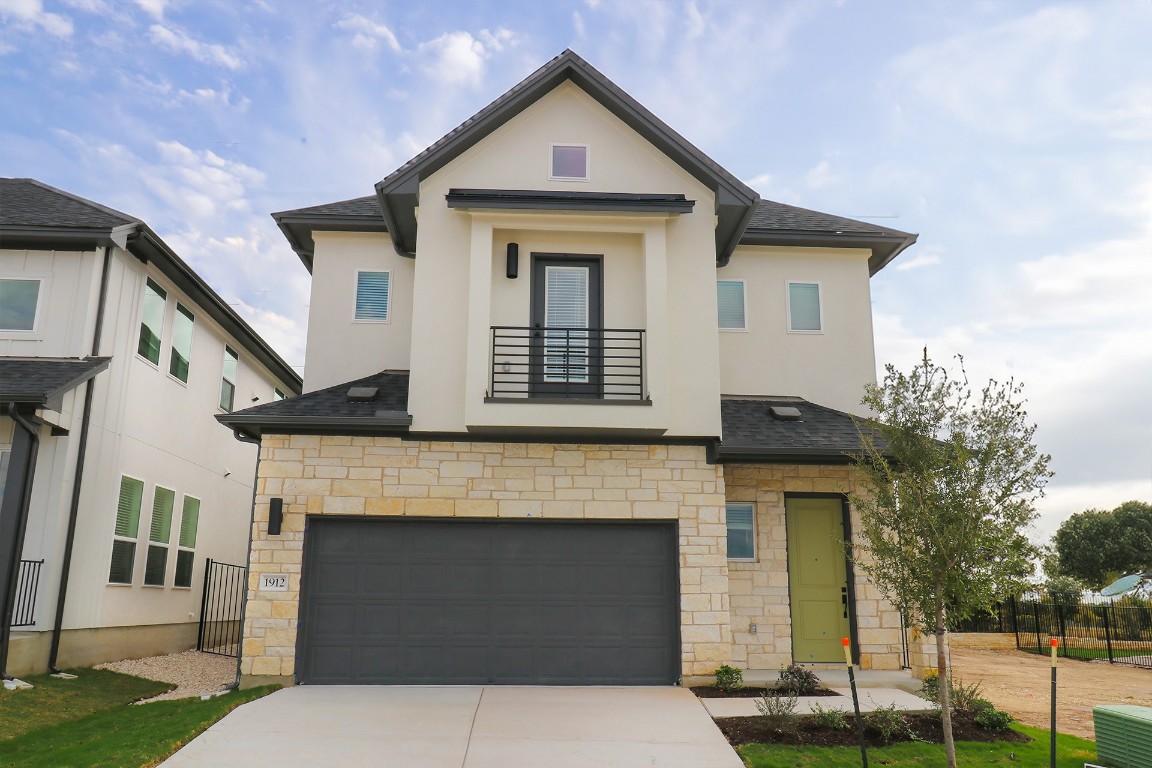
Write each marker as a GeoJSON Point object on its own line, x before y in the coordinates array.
{"type": "Point", "coordinates": [464, 727]}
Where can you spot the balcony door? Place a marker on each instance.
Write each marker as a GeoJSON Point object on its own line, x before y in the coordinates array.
{"type": "Point", "coordinates": [567, 357]}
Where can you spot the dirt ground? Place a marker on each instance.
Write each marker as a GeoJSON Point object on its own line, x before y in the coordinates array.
{"type": "Point", "coordinates": [1020, 683]}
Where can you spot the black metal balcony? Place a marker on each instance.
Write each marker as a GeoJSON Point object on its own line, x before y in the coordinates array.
{"type": "Point", "coordinates": [605, 364]}
{"type": "Point", "coordinates": [27, 583]}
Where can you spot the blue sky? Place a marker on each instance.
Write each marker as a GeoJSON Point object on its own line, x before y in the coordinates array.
{"type": "Point", "coordinates": [1015, 137]}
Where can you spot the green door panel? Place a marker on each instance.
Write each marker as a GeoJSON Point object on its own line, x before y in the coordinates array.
{"type": "Point", "coordinates": [817, 578]}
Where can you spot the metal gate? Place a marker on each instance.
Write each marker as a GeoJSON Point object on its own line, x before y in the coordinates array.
{"type": "Point", "coordinates": [225, 586]}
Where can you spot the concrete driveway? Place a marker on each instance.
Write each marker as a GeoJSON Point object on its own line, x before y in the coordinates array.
{"type": "Point", "coordinates": [465, 727]}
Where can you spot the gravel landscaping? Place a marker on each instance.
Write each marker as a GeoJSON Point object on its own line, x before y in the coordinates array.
{"type": "Point", "coordinates": [193, 673]}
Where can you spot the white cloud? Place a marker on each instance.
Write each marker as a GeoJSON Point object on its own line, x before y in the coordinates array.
{"type": "Point", "coordinates": [922, 259]}
{"type": "Point", "coordinates": [821, 176]}
{"type": "Point", "coordinates": [760, 183]}
{"type": "Point", "coordinates": [31, 13]}
{"type": "Point", "coordinates": [200, 183]}
{"type": "Point", "coordinates": [458, 58]}
{"type": "Point", "coordinates": [154, 8]}
{"type": "Point", "coordinates": [369, 33]}
{"type": "Point", "coordinates": [206, 53]}
{"type": "Point", "coordinates": [89, 6]}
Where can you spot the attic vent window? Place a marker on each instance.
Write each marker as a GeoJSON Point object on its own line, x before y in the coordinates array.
{"type": "Point", "coordinates": [784, 413]}
{"type": "Point", "coordinates": [569, 162]}
{"type": "Point", "coordinates": [362, 394]}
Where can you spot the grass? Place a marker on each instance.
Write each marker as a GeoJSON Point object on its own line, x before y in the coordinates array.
{"type": "Point", "coordinates": [96, 727]}
{"type": "Point", "coordinates": [1071, 752]}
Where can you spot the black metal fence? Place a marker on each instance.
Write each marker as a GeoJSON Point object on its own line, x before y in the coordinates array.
{"type": "Point", "coordinates": [592, 363]}
{"type": "Point", "coordinates": [1119, 632]}
{"type": "Point", "coordinates": [225, 587]}
{"type": "Point", "coordinates": [27, 585]}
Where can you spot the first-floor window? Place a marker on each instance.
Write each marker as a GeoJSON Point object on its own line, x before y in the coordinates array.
{"type": "Point", "coordinates": [127, 528]}
{"type": "Point", "coordinates": [741, 531]}
{"type": "Point", "coordinates": [185, 555]}
{"type": "Point", "coordinates": [159, 535]}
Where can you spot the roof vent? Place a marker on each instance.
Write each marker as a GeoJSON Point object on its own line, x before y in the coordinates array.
{"type": "Point", "coordinates": [784, 412]}
{"type": "Point", "coordinates": [362, 394]}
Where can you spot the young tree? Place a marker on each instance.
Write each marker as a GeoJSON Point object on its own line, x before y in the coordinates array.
{"type": "Point", "coordinates": [949, 480]}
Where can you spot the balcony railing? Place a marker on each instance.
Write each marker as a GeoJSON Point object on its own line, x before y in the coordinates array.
{"type": "Point", "coordinates": [27, 583]}
{"type": "Point", "coordinates": [568, 363]}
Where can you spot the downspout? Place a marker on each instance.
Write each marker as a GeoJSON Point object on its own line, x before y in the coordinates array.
{"type": "Point", "coordinates": [81, 452]}
{"type": "Point", "coordinates": [25, 503]}
{"type": "Point", "coordinates": [246, 438]}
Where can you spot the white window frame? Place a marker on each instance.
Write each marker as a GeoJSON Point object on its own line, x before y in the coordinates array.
{"type": "Point", "coordinates": [140, 320]}
{"type": "Point", "coordinates": [744, 298]}
{"type": "Point", "coordinates": [752, 506]}
{"type": "Point", "coordinates": [40, 292]}
{"type": "Point", "coordinates": [587, 177]}
{"type": "Point", "coordinates": [788, 305]}
{"type": "Point", "coordinates": [179, 547]}
{"type": "Point", "coordinates": [164, 545]}
{"type": "Point", "coordinates": [355, 293]}
{"type": "Point", "coordinates": [224, 377]}
{"type": "Point", "coordinates": [117, 537]}
{"type": "Point", "coordinates": [172, 346]}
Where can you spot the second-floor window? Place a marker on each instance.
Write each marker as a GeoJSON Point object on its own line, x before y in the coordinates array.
{"type": "Point", "coordinates": [569, 162]}
{"type": "Point", "coordinates": [152, 322]}
{"type": "Point", "coordinates": [373, 296]}
{"type": "Point", "coordinates": [18, 301]}
{"type": "Point", "coordinates": [730, 305]}
{"type": "Point", "coordinates": [804, 308]}
{"type": "Point", "coordinates": [181, 357]}
{"type": "Point", "coordinates": [228, 379]}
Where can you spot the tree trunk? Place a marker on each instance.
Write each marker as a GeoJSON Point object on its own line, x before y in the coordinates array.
{"type": "Point", "coordinates": [945, 679]}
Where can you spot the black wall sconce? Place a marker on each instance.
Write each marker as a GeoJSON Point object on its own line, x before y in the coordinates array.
{"type": "Point", "coordinates": [513, 260]}
{"type": "Point", "coordinates": [275, 516]}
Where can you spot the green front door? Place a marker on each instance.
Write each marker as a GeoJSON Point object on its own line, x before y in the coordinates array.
{"type": "Point", "coordinates": [817, 578]}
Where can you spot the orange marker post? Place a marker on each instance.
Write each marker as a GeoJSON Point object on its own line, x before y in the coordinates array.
{"type": "Point", "coordinates": [855, 700]}
{"type": "Point", "coordinates": [1052, 740]}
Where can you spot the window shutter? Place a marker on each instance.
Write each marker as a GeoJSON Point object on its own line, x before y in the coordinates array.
{"type": "Point", "coordinates": [804, 306]}
{"type": "Point", "coordinates": [566, 297]}
{"type": "Point", "coordinates": [162, 504]}
{"type": "Point", "coordinates": [128, 508]}
{"type": "Point", "coordinates": [372, 295]}
{"type": "Point", "coordinates": [730, 304]}
{"type": "Point", "coordinates": [189, 519]}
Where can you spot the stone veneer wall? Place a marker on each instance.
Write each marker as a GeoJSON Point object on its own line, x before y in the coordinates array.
{"type": "Point", "coordinates": [759, 590]}
{"type": "Point", "coordinates": [333, 475]}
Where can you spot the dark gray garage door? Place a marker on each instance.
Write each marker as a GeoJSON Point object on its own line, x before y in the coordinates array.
{"type": "Point", "coordinates": [482, 602]}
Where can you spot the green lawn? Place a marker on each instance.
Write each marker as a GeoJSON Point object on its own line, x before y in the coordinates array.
{"type": "Point", "coordinates": [1071, 752]}
{"type": "Point", "coordinates": [88, 722]}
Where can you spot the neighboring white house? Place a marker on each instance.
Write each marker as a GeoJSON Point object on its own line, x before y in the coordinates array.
{"type": "Point", "coordinates": [577, 411]}
{"type": "Point", "coordinates": [112, 349]}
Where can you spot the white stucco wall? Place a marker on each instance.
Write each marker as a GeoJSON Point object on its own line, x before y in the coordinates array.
{"type": "Point", "coordinates": [830, 367]}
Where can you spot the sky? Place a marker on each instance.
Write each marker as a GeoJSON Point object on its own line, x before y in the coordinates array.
{"type": "Point", "coordinates": [1015, 137]}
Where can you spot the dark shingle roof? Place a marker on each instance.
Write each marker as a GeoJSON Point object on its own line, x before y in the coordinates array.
{"type": "Point", "coordinates": [357, 206]}
{"type": "Point", "coordinates": [331, 411]}
{"type": "Point", "coordinates": [32, 203]}
{"type": "Point", "coordinates": [775, 216]}
{"type": "Point", "coordinates": [751, 433]}
{"type": "Point", "coordinates": [43, 381]}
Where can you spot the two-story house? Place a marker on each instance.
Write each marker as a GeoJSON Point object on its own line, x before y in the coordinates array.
{"type": "Point", "coordinates": [576, 412]}
{"type": "Point", "coordinates": [117, 482]}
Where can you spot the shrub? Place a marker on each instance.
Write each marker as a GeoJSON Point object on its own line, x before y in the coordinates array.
{"type": "Point", "coordinates": [798, 681]}
{"type": "Point", "coordinates": [930, 688]}
{"type": "Point", "coordinates": [987, 716]}
{"type": "Point", "coordinates": [779, 711]}
{"type": "Point", "coordinates": [729, 678]}
{"type": "Point", "coordinates": [888, 722]}
{"type": "Point", "coordinates": [832, 718]}
{"type": "Point", "coordinates": [961, 697]}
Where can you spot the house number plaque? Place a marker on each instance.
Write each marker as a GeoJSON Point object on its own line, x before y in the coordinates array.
{"type": "Point", "coordinates": [273, 582]}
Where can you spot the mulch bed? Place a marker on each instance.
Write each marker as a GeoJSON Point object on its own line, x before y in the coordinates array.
{"type": "Point", "coordinates": [925, 726]}
{"type": "Point", "coordinates": [712, 692]}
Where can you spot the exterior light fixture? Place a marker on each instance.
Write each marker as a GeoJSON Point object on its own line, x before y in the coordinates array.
{"type": "Point", "coordinates": [513, 260]}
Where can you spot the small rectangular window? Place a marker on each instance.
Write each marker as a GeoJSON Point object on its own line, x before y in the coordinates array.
{"type": "Point", "coordinates": [185, 557]}
{"type": "Point", "coordinates": [182, 325]}
{"type": "Point", "coordinates": [184, 562]}
{"type": "Point", "coordinates": [741, 531]}
{"type": "Point", "coordinates": [155, 566]}
{"type": "Point", "coordinates": [228, 379]}
{"type": "Point", "coordinates": [277, 395]}
{"type": "Point", "coordinates": [18, 301]}
{"type": "Point", "coordinates": [152, 322]}
{"type": "Point", "coordinates": [570, 161]}
{"type": "Point", "coordinates": [804, 307]}
{"type": "Point", "coordinates": [730, 305]}
{"type": "Point", "coordinates": [373, 295]}
{"type": "Point", "coordinates": [127, 528]}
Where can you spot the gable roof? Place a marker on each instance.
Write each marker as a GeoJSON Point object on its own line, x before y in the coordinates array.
{"type": "Point", "coordinates": [360, 214]}
{"type": "Point", "coordinates": [43, 381]}
{"type": "Point", "coordinates": [398, 192]}
{"type": "Point", "coordinates": [37, 216]}
{"type": "Point", "coordinates": [820, 435]}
